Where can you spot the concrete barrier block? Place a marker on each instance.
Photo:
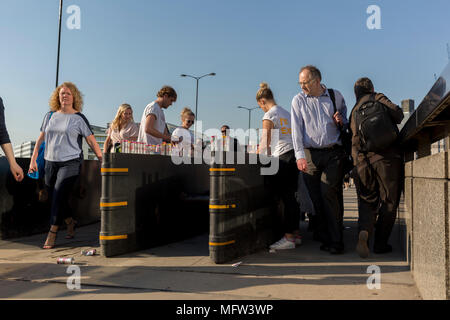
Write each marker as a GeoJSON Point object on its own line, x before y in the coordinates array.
{"type": "Point", "coordinates": [429, 243]}
{"type": "Point", "coordinates": [402, 226]}
{"type": "Point", "coordinates": [434, 166]}
{"type": "Point", "coordinates": [406, 213]}
{"type": "Point", "coordinates": [408, 199]}
{"type": "Point", "coordinates": [448, 164]}
{"type": "Point", "coordinates": [447, 237]}
{"type": "Point", "coordinates": [409, 169]}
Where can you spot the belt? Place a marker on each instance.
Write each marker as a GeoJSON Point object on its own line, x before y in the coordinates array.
{"type": "Point", "coordinates": [333, 147]}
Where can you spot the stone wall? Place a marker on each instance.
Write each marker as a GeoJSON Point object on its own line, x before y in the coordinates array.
{"type": "Point", "coordinates": [426, 216]}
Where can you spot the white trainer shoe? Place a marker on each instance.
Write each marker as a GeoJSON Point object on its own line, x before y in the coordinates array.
{"type": "Point", "coordinates": [283, 244]}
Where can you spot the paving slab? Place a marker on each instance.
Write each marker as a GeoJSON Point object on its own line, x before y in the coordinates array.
{"type": "Point", "coordinates": [183, 270]}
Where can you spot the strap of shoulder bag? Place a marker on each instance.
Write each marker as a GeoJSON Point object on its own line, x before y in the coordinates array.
{"type": "Point", "coordinates": [333, 99]}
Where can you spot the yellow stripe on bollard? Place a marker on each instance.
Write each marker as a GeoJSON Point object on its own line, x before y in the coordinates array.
{"type": "Point", "coordinates": [114, 170]}
{"type": "Point", "coordinates": [222, 206]}
{"type": "Point", "coordinates": [120, 237]}
{"type": "Point", "coordinates": [222, 169]}
{"type": "Point", "coordinates": [215, 244]}
{"type": "Point", "coordinates": [113, 204]}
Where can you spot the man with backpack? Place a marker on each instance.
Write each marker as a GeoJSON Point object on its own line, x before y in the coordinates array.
{"type": "Point", "coordinates": [379, 165]}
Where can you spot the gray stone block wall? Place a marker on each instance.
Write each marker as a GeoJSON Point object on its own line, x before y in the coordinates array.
{"type": "Point", "coordinates": [431, 167]}
{"type": "Point", "coordinates": [407, 218]}
{"type": "Point", "coordinates": [426, 203]}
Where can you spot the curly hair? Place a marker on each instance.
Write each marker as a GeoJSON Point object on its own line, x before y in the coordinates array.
{"type": "Point", "coordinates": [167, 90]}
{"type": "Point", "coordinates": [54, 102]}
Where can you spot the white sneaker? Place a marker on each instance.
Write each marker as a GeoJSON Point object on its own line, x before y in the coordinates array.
{"type": "Point", "coordinates": [283, 244]}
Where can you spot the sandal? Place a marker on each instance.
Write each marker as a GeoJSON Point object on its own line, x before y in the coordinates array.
{"type": "Point", "coordinates": [72, 225]}
{"type": "Point", "coordinates": [50, 246]}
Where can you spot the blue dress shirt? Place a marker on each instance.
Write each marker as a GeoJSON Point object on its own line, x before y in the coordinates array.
{"type": "Point", "coordinates": [312, 121]}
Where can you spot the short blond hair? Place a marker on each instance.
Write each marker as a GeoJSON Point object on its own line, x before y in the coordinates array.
{"type": "Point", "coordinates": [186, 112]}
{"type": "Point", "coordinates": [54, 103]}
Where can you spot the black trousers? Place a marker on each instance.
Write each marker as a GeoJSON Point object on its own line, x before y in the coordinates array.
{"type": "Point", "coordinates": [284, 184]}
{"type": "Point", "coordinates": [379, 186]}
{"type": "Point", "coordinates": [324, 181]}
{"type": "Point", "coordinates": [60, 177]}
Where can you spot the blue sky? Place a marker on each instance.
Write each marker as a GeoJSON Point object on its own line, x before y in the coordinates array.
{"type": "Point", "coordinates": [126, 50]}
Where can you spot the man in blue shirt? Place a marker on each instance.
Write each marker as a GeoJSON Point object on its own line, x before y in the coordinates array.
{"type": "Point", "coordinates": [319, 153]}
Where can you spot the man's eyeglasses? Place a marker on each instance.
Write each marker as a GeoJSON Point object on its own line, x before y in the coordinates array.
{"type": "Point", "coordinates": [306, 82]}
{"type": "Point", "coordinates": [190, 121]}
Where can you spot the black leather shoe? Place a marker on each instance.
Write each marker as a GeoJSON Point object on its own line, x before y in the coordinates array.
{"type": "Point", "coordinates": [384, 249]}
{"type": "Point", "coordinates": [325, 247]}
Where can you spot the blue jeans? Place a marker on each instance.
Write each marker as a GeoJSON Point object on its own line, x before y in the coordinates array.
{"type": "Point", "coordinates": [60, 177]}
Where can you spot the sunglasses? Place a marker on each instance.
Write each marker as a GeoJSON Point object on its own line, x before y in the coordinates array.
{"type": "Point", "coordinates": [190, 121]}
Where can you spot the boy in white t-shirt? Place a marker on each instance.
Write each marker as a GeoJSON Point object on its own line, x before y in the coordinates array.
{"type": "Point", "coordinates": [153, 128]}
{"type": "Point", "coordinates": [183, 135]}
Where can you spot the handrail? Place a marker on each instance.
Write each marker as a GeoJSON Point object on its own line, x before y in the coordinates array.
{"type": "Point", "coordinates": [431, 119]}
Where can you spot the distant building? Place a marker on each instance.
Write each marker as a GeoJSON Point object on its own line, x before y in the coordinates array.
{"type": "Point", "coordinates": [100, 137]}
{"type": "Point", "coordinates": [25, 150]}
{"type": "Point", "coordinates": [408, 106]}
{"type": "Point", "coordinates": [408, 109]}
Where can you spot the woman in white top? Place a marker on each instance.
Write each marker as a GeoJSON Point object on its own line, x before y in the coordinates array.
{"type": "Point", "coordinates": [183, 135]}
{"type": "Point", "coordinates": [63, 129]}
{"type": "Point", "coordinates": [284, 182]}
{"type": "Point", "coordinates": [123, 127]}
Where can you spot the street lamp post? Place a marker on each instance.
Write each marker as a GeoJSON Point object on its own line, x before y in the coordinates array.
{"type": "Point", "coordinates": [249, 117]}
{"type": "Point", "coordinates": [59, 40]}
{"type": "Point", "coordinates": [196, 98]}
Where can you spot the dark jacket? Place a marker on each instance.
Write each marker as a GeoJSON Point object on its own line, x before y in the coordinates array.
{"type": "Point", "coordinates": [397, 115]}
{"type": "Point", "coordinates": [4, 137]}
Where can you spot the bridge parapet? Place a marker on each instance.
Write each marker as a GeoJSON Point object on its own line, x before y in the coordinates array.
{"type": "Point", "coordinates": [427, 194]}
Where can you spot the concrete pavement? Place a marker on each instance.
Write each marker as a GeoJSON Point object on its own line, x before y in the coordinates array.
{"type": "Point", "coordinates": [183, 270]}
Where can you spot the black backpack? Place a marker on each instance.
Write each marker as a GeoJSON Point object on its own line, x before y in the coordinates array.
{"type": "Point", "coordinates": [375, 127]}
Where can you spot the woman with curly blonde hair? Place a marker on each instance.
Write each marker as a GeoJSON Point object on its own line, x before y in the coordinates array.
{"type": "Point", "coordinates": [55, 103]}
{"type": "Point", "coordinates": [63, 129]}
{"type": "Point", "coordinates": [123, 127]}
